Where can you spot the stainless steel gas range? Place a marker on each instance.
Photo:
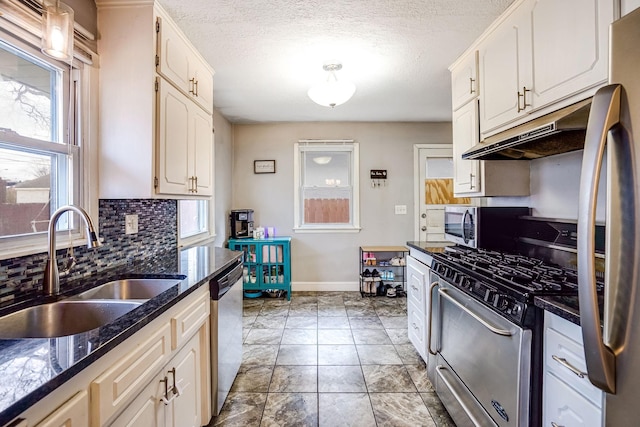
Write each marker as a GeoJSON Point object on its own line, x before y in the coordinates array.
{"type": "Point", "coordinates": [486, 338]}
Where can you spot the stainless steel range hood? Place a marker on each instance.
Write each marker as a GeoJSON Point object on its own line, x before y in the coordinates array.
{"type": "Point", "coordinates": [558, 132]}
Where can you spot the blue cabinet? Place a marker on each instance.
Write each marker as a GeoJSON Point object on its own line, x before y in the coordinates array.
{"type": "Point", "coordinates": [267, 263]}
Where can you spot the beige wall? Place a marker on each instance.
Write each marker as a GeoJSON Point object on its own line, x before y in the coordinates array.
{"type": "Point", "coordinates": [223, 156]}
{"type": "Point", "coordinates": [330, 261]}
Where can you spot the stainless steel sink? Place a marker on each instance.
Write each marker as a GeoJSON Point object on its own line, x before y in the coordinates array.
{"type": "Point", "coordinates": [62, 318]}
{"type": "Point", "coordinates": [128, 289]}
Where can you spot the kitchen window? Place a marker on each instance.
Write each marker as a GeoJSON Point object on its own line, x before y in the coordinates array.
{"type": "Point", "coordinates": [326, 186]}
{"type": "Point", "coordinates": [194, 222]}
{"type": "Point", "coordinates": [40, 155]}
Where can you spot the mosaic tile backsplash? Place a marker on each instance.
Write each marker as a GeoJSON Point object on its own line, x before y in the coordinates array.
{"type": "Point", "coordinates": [21, 277]}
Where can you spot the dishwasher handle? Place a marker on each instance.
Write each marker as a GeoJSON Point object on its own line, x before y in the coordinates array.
{"type": "Point", "coordinates": [223, 284]}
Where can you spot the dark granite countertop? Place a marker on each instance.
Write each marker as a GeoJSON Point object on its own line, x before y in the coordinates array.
{"type": "Point", "coordinates": [428, 247]}
{"type": "Point", "coordinates": [32, 368]}
{"type": "Point", "coordinates": [563, 306]}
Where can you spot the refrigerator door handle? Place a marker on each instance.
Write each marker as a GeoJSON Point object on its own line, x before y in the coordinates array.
{"type": "Point", "coordinates": [604, 115]}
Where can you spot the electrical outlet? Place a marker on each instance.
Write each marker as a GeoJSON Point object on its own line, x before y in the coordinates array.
{"type": "Point", "coordinates": [130, 224]}
{"type": "Point", "coordinates": [401, 209]}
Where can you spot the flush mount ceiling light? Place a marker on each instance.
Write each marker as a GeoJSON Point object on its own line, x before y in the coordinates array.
{"type": "Point", "coordinates": [322, 160]}
{"type": "Point", "coordinates": [57, 30]}
{"type": "Point", "coordinates": [332, 92]}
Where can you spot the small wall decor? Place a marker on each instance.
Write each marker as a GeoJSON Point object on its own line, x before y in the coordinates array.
{"type": "Point", "coordinates": [264, 166]}
{"type": "Point", "coordinates": [378, 177]}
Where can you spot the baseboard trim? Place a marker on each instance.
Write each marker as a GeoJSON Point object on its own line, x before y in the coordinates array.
{"type": "Point", "coordinates": [325, 286]}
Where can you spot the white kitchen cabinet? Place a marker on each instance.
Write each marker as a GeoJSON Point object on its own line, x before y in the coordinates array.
{"type": "Point", "coordinates": [505, 70]}
{"type": "Point", "coordinates": [130, 114]}
{"type": "Point", "coordinates": [179, 63]}
{"type": "Point", "coordinates": [185, 144]}
{"type": "Point", "coordinates": [73, 413]}
{"type": "Point", "coordinates": [464, 81]}
{"type": "Point", "coordinates": [569, 398]}
{"type": "Point", "coordinates": [161, 404]}
{"type": "Point", "coordinates": [417, 288]}
{"type": "Point", "coordinates": [569, 47]}
{"type": "Point", "coordinates": [482, 178]}
{"type": "Point", "coordinates": [538, 53]}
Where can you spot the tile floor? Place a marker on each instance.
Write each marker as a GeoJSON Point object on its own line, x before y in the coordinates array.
{"type": "Point", "coordinates": [330, 359]}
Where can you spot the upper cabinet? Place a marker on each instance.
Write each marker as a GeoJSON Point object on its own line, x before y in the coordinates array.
{"type": "Point", "coordinates": [464, 81]}
{"type": "Point", "coordinates": [155, 103]}
{"type": "Point", "coordinates": [538, 53]}
{"type": "Point", "coordinates": [181, 65]}
{"type": "Point", "coordinates": [505, 71]}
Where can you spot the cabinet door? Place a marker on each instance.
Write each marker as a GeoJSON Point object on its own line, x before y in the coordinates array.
{"type": "Point", "coordinates": [202, 125]}
{"type": "Point", "coordinates": [173, 140]}
{"type": "Point", "coordinates": [464, 81]}
{"type": "Point", "coordinates": [186, 407]}
{"type": "Point", "coordinates": [570, 47]}
{"type": "Point", "coordinates": [147, 410]}
{"type": "Point", "coordinates": [505, 71]}
{"type": "Point", "coordinates": [466, 173]}
{"type": "Point", "coordinates": [73, 413]}
{"type": "Point", "coordinates": [179, 63]}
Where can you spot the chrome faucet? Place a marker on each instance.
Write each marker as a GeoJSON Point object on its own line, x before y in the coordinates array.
{"type": "Point", "coordinates": [51, 283]}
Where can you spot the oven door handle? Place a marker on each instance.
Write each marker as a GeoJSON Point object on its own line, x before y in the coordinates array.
{"type": "Point", "coordinates": [433, 285]}
{"type": "Point", "coordinates": [485, 323]}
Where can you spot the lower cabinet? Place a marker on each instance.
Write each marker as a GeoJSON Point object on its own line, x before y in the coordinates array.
{"type": "Point", "coordinates": [158, 377]}
{"type": "Point", "coordinates": [569, 399]}
{"type": "Point", "coordinates": [174, 397]}
{"type": "Point", "coordinates": [73, 413]}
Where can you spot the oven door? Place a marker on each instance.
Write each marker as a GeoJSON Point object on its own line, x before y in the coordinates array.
{"type": "Point", "coordinates": [460, 225]}
{"type": "Point", "coordinates": [486, 353]}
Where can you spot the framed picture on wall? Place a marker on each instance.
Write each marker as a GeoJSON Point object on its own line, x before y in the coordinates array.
{"type": "Point", "coordinates": [264, 166]}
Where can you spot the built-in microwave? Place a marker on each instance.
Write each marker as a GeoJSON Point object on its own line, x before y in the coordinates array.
{"type": "Point", "coordinates": [495, 228]}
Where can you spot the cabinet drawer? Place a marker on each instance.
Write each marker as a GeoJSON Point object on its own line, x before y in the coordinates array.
{"type": "Point", "coordinates": [566, 407]}
{"type": "Point", "coordinates": [417, 329]}
{"type": "Point", "coordinates": [73, 413]}
{"type": "Point", "coordinates": [561, 351]}
{"type": "Point", "coordinates": [417, 279]}
{"type": "Point", "coordinates": [189, 320]}
{"type": "Point", "coordinates": [117, 386]}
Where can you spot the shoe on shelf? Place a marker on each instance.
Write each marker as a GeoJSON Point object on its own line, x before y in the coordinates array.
{"type": "Point", "coordinates": [375, 275]}
{"type": "Point", "coordinates": [366, 275]}
{"type": "Point", "coordinates": [391, 292]}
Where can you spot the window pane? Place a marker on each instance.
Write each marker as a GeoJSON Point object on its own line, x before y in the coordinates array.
{"type": "Point", "coordinates": [328, 168]}
{"type": "Point", "coordinates": [327, 205]}
{"type": "Point", "coordinates": [27, 95]}
{"type": "Point", "coordinates": [25, 190]}
{"type": "Point", "coordinates": [193, 217]}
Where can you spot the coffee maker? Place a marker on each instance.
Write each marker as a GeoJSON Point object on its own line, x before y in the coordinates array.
{"type": "Point", "coordinates": [241, 223]}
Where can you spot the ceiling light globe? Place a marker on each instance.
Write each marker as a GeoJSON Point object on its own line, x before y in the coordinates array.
{"type": "Point", "coordinates": [332, 93]}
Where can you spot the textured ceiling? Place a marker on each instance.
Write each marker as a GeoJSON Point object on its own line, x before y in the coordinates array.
{"type": "Point", "coordinates": [267, 53]}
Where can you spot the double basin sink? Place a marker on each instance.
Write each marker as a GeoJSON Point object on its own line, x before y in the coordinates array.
{"type": "Point", "coordinates": [88, 310]}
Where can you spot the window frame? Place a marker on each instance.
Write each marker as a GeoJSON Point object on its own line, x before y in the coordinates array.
{"type": "Point", "coordinates": [202, 237]}
{"type": "Point", "coordinates": [338, 145]}
{"type": "Point", "coordinates": [80, 98]}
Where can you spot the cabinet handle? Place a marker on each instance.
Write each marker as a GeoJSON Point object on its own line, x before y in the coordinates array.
{"type": "Point", "coordinates": [569, 366]}
{"type": "Point", "coordinates": [195, 84]}
{"type": "Point", "coordinates": [195, 187]}
{"type": "Point", "coordinates": [471, 82]}
{"type": "Point", "coordinates": [555, 424]}
{"type": "Point", "coordinates": [165, 397]}
{"type": "Point", "coordinates": [173, 375]}
{"type": "Point", "coordinates": [192, 91]}
{"type": "Point", "coordinates": [523, 95]}
{"type": "Point", "coordinates": [414, 326]}
{"type": "Point", "coordinates": [471, 184]}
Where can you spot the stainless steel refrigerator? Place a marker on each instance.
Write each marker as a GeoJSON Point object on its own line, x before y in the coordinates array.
{"type": "Point", "coordinates": [612, 348]}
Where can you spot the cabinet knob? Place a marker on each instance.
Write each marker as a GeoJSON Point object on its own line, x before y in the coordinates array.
{"type": "Point", "coordinates": [424, 215]}
{"type": "Point", "coordinates": [423, 228]}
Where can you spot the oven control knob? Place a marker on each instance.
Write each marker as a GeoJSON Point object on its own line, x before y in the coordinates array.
{"type": "Point", "coordinates": [501, 303]}
{"type": "Point", "coordinates": [516, 310]}
{"type": "Point", "coordinates": [489, 296]}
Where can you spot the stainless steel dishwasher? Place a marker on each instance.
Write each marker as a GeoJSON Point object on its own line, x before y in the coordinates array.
{"type": "Point", "coordinates": [226, 333]}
